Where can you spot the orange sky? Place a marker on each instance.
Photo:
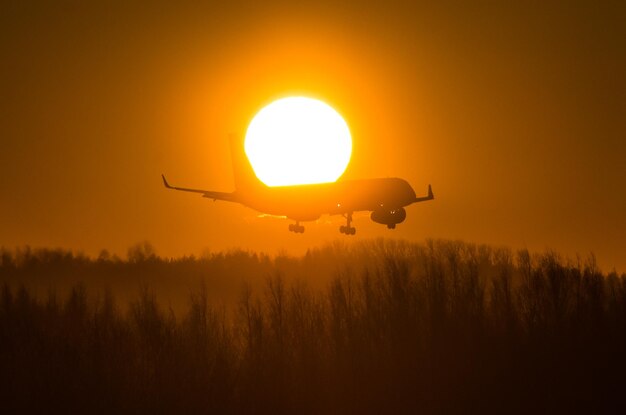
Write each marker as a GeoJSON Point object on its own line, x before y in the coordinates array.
{"type": "Point", "coordinates": [515, 114]}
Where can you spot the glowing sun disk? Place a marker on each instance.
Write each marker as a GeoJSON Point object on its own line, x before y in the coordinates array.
{"type": "Point", "coordinates": [298, 140]}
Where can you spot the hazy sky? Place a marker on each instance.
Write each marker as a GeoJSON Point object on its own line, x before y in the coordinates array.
{"type": "Point", "coordinates": [515, 113]}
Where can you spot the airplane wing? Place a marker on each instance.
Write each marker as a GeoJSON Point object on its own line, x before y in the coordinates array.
{"type": "Point", "coordinates": [430, 196]}
{"type": "Point", "coordinates": [228, 197]}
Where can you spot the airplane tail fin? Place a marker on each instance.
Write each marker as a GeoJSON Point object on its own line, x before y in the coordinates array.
{"type": "Point", "coordinates": [245, 178]}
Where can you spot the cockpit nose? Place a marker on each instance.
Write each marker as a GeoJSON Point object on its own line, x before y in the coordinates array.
{"type": "Point", "coordinates": [408, 194]}
{"type": "Point", "coordinates": [402, 194]}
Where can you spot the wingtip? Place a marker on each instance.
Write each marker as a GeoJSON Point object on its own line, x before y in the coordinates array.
{"type": "Point", "coordinates": [165, 183]}
{"type": "Point", "coordinates": [430, 192]}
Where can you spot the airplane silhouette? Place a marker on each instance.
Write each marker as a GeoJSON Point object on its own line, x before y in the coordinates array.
{"type": "Point", "coordinates": [386, 198]}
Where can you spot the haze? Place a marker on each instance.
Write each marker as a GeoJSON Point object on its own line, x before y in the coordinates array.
{"type": "Point", "coordinates": [515, 114]}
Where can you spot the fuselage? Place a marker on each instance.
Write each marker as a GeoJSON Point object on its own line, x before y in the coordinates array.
{"type": "Point", "coordinates": [309, 202]}
{"type": "Point", "coordinates": [385, 198]}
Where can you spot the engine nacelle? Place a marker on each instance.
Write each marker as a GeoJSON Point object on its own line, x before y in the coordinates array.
{"type": "Point", "coordinates": [389, 217]}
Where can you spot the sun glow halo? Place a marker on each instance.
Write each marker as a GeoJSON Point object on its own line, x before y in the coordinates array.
{"type": "Point", "coordinates": [298, 140]}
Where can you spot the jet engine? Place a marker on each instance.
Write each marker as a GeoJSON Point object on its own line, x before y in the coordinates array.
{"type": "Point", "coordinates": [389, 217]}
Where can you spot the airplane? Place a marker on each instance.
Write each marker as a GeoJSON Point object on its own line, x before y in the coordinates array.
{"type": "Point", "coordinates": [386, 198]}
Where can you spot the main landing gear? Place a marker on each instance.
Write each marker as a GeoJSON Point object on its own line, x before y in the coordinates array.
{"type": "Point", "coordinates": [348, 230]}
{"type": "Point", "coordinates": [296, 227]}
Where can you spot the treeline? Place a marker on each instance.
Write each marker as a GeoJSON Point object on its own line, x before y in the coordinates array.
{"type": "Point", "coordinates": [375, 327]}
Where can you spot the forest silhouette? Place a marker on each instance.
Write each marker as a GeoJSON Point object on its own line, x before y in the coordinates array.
{"type": "Point", "coordinates": [378, 326]}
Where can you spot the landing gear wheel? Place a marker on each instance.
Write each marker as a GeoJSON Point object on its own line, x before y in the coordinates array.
{"type": "Point", "coordinates": [391, 226]}
{"type": "Point", "coordinates": [348, 230]}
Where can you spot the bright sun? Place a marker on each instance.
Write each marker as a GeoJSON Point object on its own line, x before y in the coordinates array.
{"type": "Point", "coordinates": [298, 140]}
